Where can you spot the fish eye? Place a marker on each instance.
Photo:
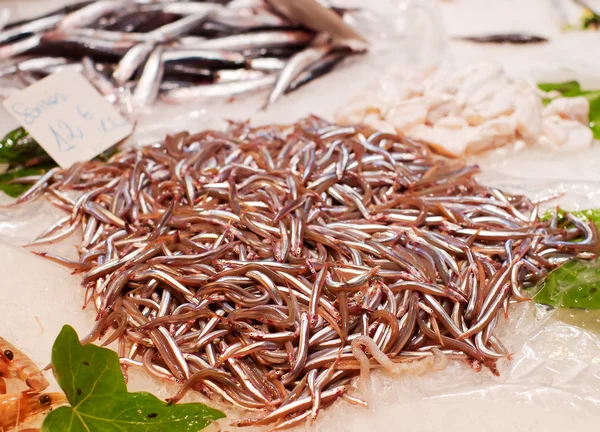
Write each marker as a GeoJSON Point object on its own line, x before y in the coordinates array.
{"type": "Point", "coordinates": [45, 400]}
{"type": "Point", "coordinates": [9, 354]}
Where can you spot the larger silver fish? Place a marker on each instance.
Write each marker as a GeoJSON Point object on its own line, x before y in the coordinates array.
{"type": "Point", "coordinates": [31, 64]}
{"type": "Point", "coordinates": [36, 26]}
{"type": "Point", "coordinates": [219, 58]}
{"type": "Point", "coordinates": [90, 13]}
{"type": "Point", "coordinates": [102, 84]}
{"type": "Point", "coordinates": [149, 83]}
{"type": "Point", "coordinates": [20, 47]}
{"type": "Point", "coordinates": [295, 65]}
{"type": "Point", "coordinates": [267, 63]}
{"type": "Point", "coordinates": [253, 40]}
{"type": "Point", "coordinates": [177, 28]}
{"type": "Point", "coordinates": [131, 61]}
{"type": "Point", "coordinates": [183, 8]}
{"type": "Point", "coordinates": [225, 89]}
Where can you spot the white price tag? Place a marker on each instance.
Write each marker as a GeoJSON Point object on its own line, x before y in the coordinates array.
{"type": "Point", "coordinates": [68, 117]}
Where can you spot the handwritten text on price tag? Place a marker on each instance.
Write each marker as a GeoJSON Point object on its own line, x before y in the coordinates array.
{"type": "Point", "coordinates": [68, 117]}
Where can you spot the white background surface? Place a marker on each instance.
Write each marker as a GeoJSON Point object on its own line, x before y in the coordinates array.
{"type": "Point", "coordinates": [553, 381]}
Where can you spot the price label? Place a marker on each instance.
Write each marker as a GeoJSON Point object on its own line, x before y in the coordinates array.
{"type": "Point", "coordinates": [68, 117]}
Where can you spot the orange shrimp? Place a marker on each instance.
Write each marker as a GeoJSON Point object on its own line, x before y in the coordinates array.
{"type": "Point", "coordinates": [18, 407]}
{"type": "Point", "coordinates": [15, 364]}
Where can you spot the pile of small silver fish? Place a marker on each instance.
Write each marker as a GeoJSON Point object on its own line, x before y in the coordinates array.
{"type": "Point", "coordinates": [135, 51]}
{"type": "Point", "coordinates": [260, 264]}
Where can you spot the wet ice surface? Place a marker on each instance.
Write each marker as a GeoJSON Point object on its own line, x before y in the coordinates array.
{"type": "Point", "coordinates": [553, 380]}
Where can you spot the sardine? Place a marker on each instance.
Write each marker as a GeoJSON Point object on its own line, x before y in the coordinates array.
{"type": "Point", "coordinates": [225, 89]}
{"type": "Point", "coordinates": [36, 26]}
{"type": "Point", "coordinates": [211, 59]}
{"type": "Point", "coordinates": [509, 38]}
{"type": "Point", "coordinates": [253, 40]}
{"type": "Point", "coordinates": [316, 70]}
{"type": "Point", "coordinates": [148, 85]}
{"type": "Point", "coordinates": [131, 62]}
{"type": "Point", "coordinates": [19, 47]}
{"type": "Point", "coordinates": [294, 66]}
{"type": "Point", "coordinates": [90, 13]}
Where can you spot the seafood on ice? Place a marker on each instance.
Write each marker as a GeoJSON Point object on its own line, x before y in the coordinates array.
{"type": "Point", "coordinates": [260, 265]}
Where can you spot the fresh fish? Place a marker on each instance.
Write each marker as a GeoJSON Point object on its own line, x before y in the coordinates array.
{"type": "Point", "coordinates": [316, 70]}
{"type": "Point", "coordinates": [510, 38]}
{"type": "Point", "coordinates": [253, 40]}
{"type": "Point", "coordinates": [188, 72]}
{"type": "Point", "coordinates": [169, 84]}
{"type": "Point", "coordinates": [225, 89]}
{"type": "Point", "coordinates": [237, 75]}
{"type": "Point", "coordinates": [36, 26]}
{"type": "Point", "coordinates": [183, 8]}
{"type": "Point", "coordinates": [202, 40]}
{"type": "Point", "coordinates": [48, 70]}
{"type": "Point", "coordinates": [72, 46]}
{"type": "Point", "coordinates": [266, 63]}
{"type": "Point", "coordinates": [211, 59]}
{"type": "Point", "coordinates": [149, 83]}
{"type": "Point", "coordinates": [102, 84]}
{"type": "Point", "coordinates": [19, 47]}
{"type": "Point", "coordinates": [295, 65]}
{"type": "Point", "coordinates": [26, 64]}
{"type": "Point", "coordinates": [109, 35]}
{"type": "Point", "coordinates": [247, 4]}
{"type": "Point", "coordinates": [132, 61]}
{"type": "Point", "coordinates": [245, 19]}
{"type": "Point", "coordinates": [63, 10]}
{"type": "Point", "coordinates": [4, 17]}
{"type": "Point", "coordinates": [90, 13]}
{"type": "Point", "coordinates": [177, 28]}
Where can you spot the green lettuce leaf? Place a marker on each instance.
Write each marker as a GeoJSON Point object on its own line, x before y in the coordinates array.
{"type": "Point", "coordinates": [91, 378]}
{"type": "Point", "coordinates": [575, 284]}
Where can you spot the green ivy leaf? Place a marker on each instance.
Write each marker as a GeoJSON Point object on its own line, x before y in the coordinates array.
{"type": "Point", "coordinates": [93, 382]}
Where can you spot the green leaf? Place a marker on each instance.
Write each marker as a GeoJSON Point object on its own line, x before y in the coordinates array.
{"type": "Point", "coordinates": [566, 88]}
{"type": "Point", "coordinates": [16, 189]}
{"type": "Point", "coordinates": [573, 89]}
{"type": "Point", "coordinates": [19, 148]}
{"type": "Point", "coordinates": [592, 215]}
{"type": "Point", "coordinates": [575, 284]}
{"type": "Point", "coordinates": [93, 382]}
